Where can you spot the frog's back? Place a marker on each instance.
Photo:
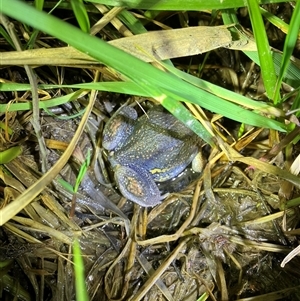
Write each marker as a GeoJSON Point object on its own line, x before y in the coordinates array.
{"type": "Point", "coordinates": [157, 116]}
{"type": "Point", "coordinates": [160, 144]}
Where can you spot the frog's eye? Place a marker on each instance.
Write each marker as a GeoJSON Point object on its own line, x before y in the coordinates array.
{"type": "Point", "coordinates": [137, 186]}
{"type": "Point", "coordinates": [119, 128]}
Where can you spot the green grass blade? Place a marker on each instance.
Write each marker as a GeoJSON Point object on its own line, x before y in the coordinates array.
{"type": "Point", "coordinates": [5, 127]}
{"type": "Point", "coordinates": [10, 154]}
{"type": "Point", "coordinates": [39, 4]}
{"type": "Point", "coordinates": [43, 104]}
{"type": "Point", "coordinates": [279, 23]}
{"type": "Point", "coordinates": [292, 76]}
{"type": "Point", "coordinates": [134, 24]}
{"type": "Point", "coordinates": [207, 100]}
{"type": "Point", "coordinates": [264, 50]}
{"type": "Point", "coordinates": [296, 104]}
{"type": "Point", "coordinates": [66, 185]}
{"type": "Point", "coordinates": [179, 4]}
{"type": "Point", "coordinates": [229, 17]}
{"type": "Point", "coordinates": [82, 171]}
{"type": "Point", "coordinates": [184, 115]}
{"type": "Point", "coordinates": [81, 291]}
{"type": "Point", "coordinates": [225, 95]}
{"type": "Point", "coordinates": [6, 36]}
{"type": "Point", "coordinates": [81, 15]}
{"type": "Point", "coordinates": [289, 44]}
{"type": "Point", "coordinates": [156, 83]}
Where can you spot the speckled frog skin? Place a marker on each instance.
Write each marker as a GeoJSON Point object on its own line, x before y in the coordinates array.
{"type": "Point", "coordinates": [142, 151]}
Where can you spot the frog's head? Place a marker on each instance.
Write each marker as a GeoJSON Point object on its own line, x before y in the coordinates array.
{"type": "Point", "coordinates": [119, 128]}
{"type": "Point", "coordinates": [137, 185]}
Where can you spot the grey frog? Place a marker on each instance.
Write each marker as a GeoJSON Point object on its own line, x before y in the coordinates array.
{"type": "Point", "coordinates": [142, 151]}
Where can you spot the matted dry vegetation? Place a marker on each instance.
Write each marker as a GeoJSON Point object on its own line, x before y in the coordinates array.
{"type": "Point", "coordinates": [223, 237]}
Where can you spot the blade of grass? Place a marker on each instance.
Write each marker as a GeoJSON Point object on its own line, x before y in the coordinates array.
{"type": "Point", "coordinates": [292, 75]}
{"type": "Point", "coordinates": [179, 4]}
{"type": "Point", "coordinates": [82, 171]}
{"type": "Point", "coordinates": [81, 291]}
{"type": "Point", "coordinates": [4, 126]}
{"type": "Point", "coordinates": [264, 50]}
{"type": "Point", "coordinates": [6, 36]}
{"type": "Point", "coordinates": [296, 105]}
{"type": "Point", "coordinates": [289, 44]}
{"type": "Point", "coordinates": [276, 21]}
{"type": "Point", "coordinates": [229, 17]}
{"type": "Point", "coordinates": [226, 94]}
{"type": "Point", "coordinates": [210, 101]}
{"type": "Point", "coordinates": [134, 24]}
{"type": "Point", "coordinates": [43, 104]}
{"type": "Point", "coordinates": [81, 15]}
{"type": "Point", "coordinates": [154, 81]}
{"type": "Point", "coordinates": [184, 115]}
{"type": "Point", "coordinates": [39, 4]}
{"type": "Point", "coordinates": [145, 76]}
{"type": "Point", "coordinates": [9, 154]}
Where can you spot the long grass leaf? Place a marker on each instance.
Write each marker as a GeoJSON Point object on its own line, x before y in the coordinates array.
{"type": "Point", "coordinates": [292, 76]}
{"type": "Point", "coordinates": [81, 15]}
{"type": "Point", "coordinates": [289, 44]}
{"type": "Point", "coordinates": [178, 4]}
{"type": "Point", "coordinates": [264, 50]}
{"type": "Point", "coordinates": [154, 81]}
{"type": "Point", "coordinates": [81, 290]}
{"type": "Point", "coordinates": [276, 21]}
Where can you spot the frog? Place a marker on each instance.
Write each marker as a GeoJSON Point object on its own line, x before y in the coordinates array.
{"type": "Point", "coordinates": [148, 150]}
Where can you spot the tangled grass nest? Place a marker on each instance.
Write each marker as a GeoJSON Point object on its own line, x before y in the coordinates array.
{"type": "Point", "coordinates": [223, 237]}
